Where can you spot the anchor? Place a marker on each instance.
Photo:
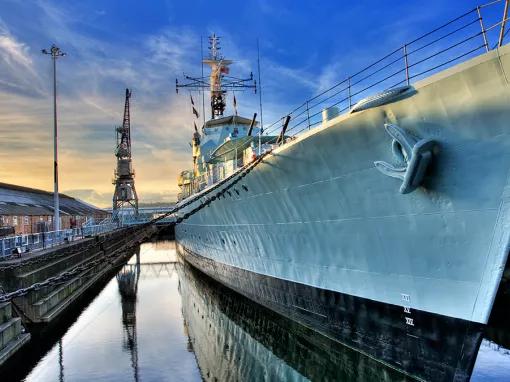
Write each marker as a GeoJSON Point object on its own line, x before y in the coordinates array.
{"type": "Point", "coordinates": [413, 154]}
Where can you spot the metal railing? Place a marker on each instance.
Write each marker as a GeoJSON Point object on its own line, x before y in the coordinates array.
{"type": "Point", "coordinates": [146, 216]}
{"type": "Point", "coordinates": [19, 244]}
{"type": "Point", "coordinates": [459, 39]}
{"type": "Point", "coordinates": [37, 241]}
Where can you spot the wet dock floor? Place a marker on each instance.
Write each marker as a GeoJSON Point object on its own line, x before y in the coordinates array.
{"type": "Point", "coordinates": [147, 324]}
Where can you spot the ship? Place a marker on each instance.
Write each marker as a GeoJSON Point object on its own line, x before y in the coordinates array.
{"type": "Point", "coordinates": [377, 213]}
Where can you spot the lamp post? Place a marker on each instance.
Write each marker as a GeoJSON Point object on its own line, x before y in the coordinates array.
{"type": "Point", "coordinates": [55, 53]}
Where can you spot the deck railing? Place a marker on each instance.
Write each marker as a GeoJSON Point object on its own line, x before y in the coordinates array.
{"type": "Point", "coordinates": [459, 39]}
{"type": "Point", "coordinates": [37, 241]}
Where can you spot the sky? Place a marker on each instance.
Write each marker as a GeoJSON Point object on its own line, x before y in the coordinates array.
{"type": "Point", "coordinates": [305, 47]}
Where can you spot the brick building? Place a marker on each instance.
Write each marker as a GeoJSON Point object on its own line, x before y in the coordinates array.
{"type": "Point", "coordinates": [29, 210]}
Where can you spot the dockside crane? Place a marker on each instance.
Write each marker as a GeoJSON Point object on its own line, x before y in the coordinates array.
{"type": "Point", "coordinates": [124, 196]}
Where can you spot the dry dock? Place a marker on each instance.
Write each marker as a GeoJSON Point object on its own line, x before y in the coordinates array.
{"type": "Point", "coordinates": [38, 288]}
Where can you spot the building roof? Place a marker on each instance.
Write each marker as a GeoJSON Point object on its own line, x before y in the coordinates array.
{"type": "Point", "coordinates": [19, 200]}
{"type": "Point", "coordinates": [9, 208]}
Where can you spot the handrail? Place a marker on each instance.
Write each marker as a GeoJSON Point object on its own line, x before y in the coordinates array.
{"type": "Point", "coordinates": [43, 240]}
{"type": "Point", "coordinates": [451, 42]}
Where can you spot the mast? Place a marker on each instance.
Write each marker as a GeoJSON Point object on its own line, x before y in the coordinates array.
{"type": "Point", "coordinates": [219, 66]}
{"type": "Point", "coordinates": [218, 82]}
{"type": "Point", "coordinates": [203, 91]}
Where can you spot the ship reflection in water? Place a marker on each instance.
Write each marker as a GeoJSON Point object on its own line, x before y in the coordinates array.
{"type": "Point", "coordinates": [160, 319]}
{"type": "Point", "coordinates": [235, 339]}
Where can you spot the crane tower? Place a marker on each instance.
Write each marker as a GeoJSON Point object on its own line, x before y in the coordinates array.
{"type": "Point", "coordinates": [124, 195]}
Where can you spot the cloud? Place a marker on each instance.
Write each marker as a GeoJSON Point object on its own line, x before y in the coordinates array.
{"type": "Point", "coordinates": [271, 9]}
{"type": "Point", "coordinates": [91, 86]}
{"type": "Point", "coordinates": [14, 52]}
{"type": "Point", "coordinates": [330, 76]}
{"type": "Point", "coordinates": [91, 83]}
{"type": "Point", "coordinates": [173, 49]}
{"type": "Point", "coordinates": [91, 196]}
{"type": "Point", "coordinates": [17, 71]}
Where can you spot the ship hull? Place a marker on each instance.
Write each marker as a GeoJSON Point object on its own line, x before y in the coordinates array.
{"type": "Point", "coordinates": [235, 339]}
{"type": "Point", "coordinates": [440, 348]}
{"type": "Point", "coordinates": [317, 215]}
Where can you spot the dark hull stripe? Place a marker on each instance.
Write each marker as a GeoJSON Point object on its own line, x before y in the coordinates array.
{"type": "Point", "coordinates": [302, 349]}
{"type": "Point", "coordinates": [426, 345]}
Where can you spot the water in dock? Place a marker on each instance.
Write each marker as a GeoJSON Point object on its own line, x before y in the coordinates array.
{"type": "Point", "coordinates": [160, 320]}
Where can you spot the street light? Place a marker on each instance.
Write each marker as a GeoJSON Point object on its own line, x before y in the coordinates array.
{"type": "Point", "coordinates": [55, 53]}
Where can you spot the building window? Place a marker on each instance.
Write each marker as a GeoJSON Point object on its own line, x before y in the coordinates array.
{"type": "Point", "coordinates": [25, 220]}
{"type": "Point", "coordinates": [50, 219]}
{"type": "Point", "coordinates": [14, 220]}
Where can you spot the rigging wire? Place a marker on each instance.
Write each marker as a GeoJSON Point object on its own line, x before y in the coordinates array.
{"type": "Point", "coordinates": [261, 127]}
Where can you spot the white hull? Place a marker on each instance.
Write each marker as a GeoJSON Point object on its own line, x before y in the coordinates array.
{"type": "Point", "coordinates": [318, 212]}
